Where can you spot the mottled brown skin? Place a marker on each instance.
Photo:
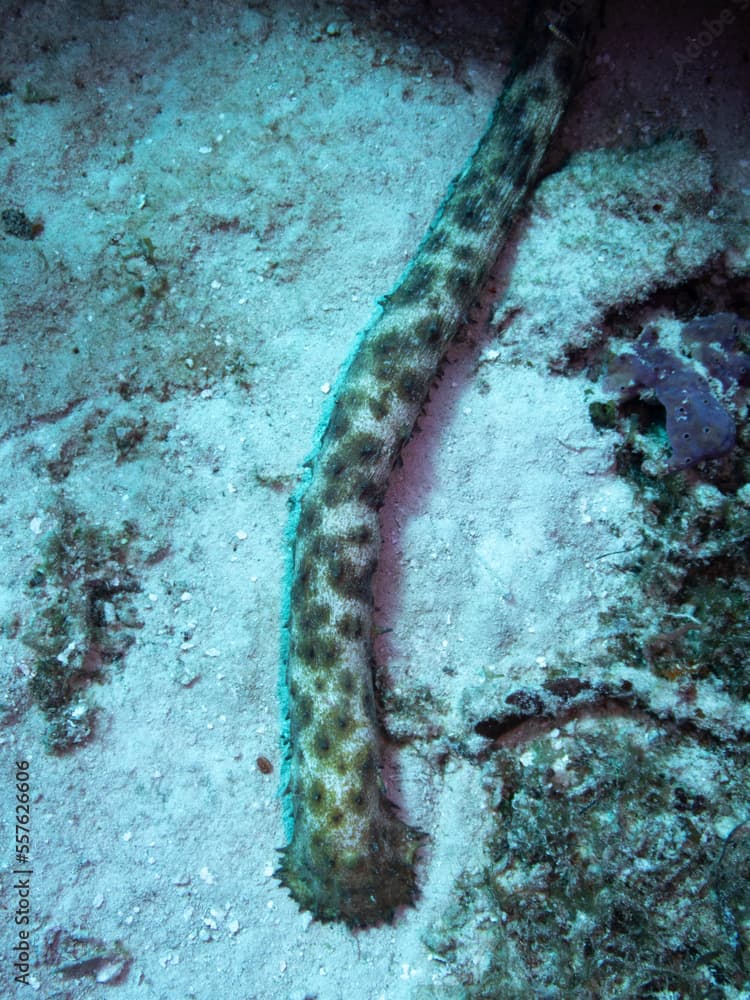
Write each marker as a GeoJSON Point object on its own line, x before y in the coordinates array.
{"type": "Point", "coordinates": [350, 857]}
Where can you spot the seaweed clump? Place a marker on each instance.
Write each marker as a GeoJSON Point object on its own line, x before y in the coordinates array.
{"type": "Point", "coordinates": [85, 621]}
{"type": "Point", "coordinates": [687, 619]}
{"type": "Point", "coordinates": [16, 223]}
{"type": "Point", "coordinates": [600, 873]}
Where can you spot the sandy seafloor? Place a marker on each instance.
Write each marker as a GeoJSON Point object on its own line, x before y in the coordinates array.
{"type": "Point", "coordinates": [221, 191]}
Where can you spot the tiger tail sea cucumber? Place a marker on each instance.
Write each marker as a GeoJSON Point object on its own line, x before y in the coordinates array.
{"type": "Point", "coordinates": [349, 857]}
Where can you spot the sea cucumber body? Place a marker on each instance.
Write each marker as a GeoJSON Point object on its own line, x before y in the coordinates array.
{"type": "Point", "coordinates": [349, 856]}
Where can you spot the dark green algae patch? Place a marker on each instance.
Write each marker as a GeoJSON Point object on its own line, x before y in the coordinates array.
{"type": "Point", "coordinates": [84, 621]}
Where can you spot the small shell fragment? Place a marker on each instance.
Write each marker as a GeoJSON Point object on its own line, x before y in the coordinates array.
{"type": "Point", "coordinates": [264, 765]}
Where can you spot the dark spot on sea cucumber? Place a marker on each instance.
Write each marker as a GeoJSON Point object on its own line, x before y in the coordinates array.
{"type": "Point", "coordinates": [303, 712]}
{"type": "Point", "coordinates": [336, 817]}
{"type": "Point", "coordinates": [367, 445]}
{"type": "Point", "coordinates": [315, 614]}
{"type": "Point", "coordinates": [306, 649]}
{"type": "Point", "coordinates": [378, 352]}
{"type": "Point", "coordinates": [337, 491]}
{"type": "Point", "coordinates": [330, 652]}
{"type": "Point", "coordinates": [318, 846]}
{"type": "Point", "coordinates": [353, 451]}
{"type": "Point", "coordinates": [335, 465]}
{"type": "Point", "coordinates": [317, 797]}
{"type": "Point", "coordinates": [309, 518]}
{"type": "Point", "coordinates": [416, 282]}
{"type": "Point", "coordinates": [411, 385]}
{"type": "Point", "coordinates": [350, 579]}
{"type": "Point", "coordinates": [362, 534]}
{"type": "Point", "coordinates": [372, 494]}
{"type": "Point", "coordinates": [463, 251]}
{"type": "Point", "coordinates": [337, 723]}
{"type": "Point", "coordinates": [264, 765]}
{"type": "Point", "coordinates": [539, 91]}
{"type": "Point", "coordinates": [350, 626]}
{"type": "Point", "coordinates": [343, 723]}
{"type": "Point", "coordinates": [363, 764]}
{"type": "Point", "coordinates": [342, 765]}
{"type": "Point", "coordinates": [318, 651]}
{"type": "Point", "coordinates": [321, 546]}
{"type": "Point", "coordinates": [388, 342]}
{"type": "Point", "coordinates": [347, 682]}
{"type": "Point", "coordinates": [499, 163]}
{"type": "Point", "coordinates": [467, 213]}
{"type": "Point", "coordinates": [338, 425]}
{"type": "Point", "coordinates": [352, 485]}
{"type": "Point", "coordinates": [322, 742]}
{"type": "Point", "coordinates": [378, 406]}
{"type": "Point", "coordinates": [302, 577]}
{"type": "Point", "coordinates": [459, 280]}
{"type": "Point", "coordinates": [429, 331]}
{"type": "Point", "coordinates": [385, 366]}
{"type": "Point", "coordinates": [356, 800]}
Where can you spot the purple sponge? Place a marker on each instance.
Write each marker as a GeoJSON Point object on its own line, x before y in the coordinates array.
{"type": "Point", "coordinates": [715, 342]}
{"type": "Point", "coordinates": [698, 425]}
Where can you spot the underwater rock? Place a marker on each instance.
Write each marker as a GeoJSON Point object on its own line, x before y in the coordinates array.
{"type": "Point", "coordinates": [614, 226]}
